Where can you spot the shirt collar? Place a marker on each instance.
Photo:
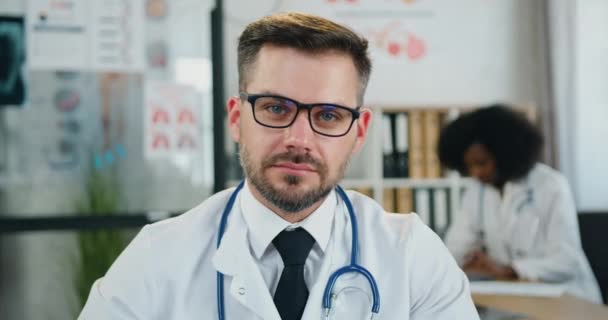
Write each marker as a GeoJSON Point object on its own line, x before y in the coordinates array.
{"type": "Point", "coordinates": [264, 225]}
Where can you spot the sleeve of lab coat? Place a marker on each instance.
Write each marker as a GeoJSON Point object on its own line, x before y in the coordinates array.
{"type": "Point", "coordinates": [557, 260]}
{"type": "Point", "coordinates": [439, 289]}
{"type": "Point", "coordinates": [125, 292]}
{"type": "Point", "coordinates": [464, 230]}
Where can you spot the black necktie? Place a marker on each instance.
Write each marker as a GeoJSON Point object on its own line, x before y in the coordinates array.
{"type": "Point", "coordinates": [291, 295]}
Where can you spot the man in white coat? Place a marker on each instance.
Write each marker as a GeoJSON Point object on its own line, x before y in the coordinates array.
{"type": "Point", "coordinates": [298, 118]}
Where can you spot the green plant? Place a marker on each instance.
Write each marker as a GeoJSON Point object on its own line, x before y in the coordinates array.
{"type": "Point", "coordinates": [98, 249]}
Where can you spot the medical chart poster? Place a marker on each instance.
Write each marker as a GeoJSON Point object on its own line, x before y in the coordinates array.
{"type": "Point", "coordinates": [422, 47]}
{"type": "Point", "coordinates": [81, 35]}
{"type": "Point", "coordinates": [398, 30]}
{"type": "Point", "coordinates": [50, 26]}
{"type": "Point", "coordinates": [172, 120]}
{"type": "Point", "coordinates": [117, 35]}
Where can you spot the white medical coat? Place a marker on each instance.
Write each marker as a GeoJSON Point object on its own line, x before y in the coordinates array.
{"type": "Point", "coordinates": [533, 228]}
{"type": "Point", "coordinates": [169, 270]}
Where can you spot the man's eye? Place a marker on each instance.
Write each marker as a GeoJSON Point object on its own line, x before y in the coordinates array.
{"type": "Point", "coordinates": [328, 116]}
{"type": "Point", "coordinates": [277, 109]}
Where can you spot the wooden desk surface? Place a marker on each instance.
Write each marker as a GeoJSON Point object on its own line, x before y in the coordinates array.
{"type": "Point", "coordinates": [565, 307]}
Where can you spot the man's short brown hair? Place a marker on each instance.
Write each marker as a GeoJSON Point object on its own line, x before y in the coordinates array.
{"type": "Point", "coordinates": [305, 32]}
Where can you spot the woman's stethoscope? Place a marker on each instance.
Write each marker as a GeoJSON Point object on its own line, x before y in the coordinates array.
{"type": "Point", "coordinates": [528, 200]}
{"type": "Point", "coordinates": [327, 295]}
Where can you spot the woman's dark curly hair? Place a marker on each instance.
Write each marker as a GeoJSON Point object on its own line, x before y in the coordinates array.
{"type": "Point", "coordinates": [514, 141]}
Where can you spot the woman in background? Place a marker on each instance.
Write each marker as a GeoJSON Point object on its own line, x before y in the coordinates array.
{"type": "Point", "coordinates": [517, 219]}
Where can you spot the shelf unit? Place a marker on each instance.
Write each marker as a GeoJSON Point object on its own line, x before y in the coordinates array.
{"type": "Point", "coordinates": [366, 169]}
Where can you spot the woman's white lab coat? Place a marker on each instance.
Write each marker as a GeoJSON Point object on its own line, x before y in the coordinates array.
{"type": "Point", "coordinates": [532, 228]}
{"type": "Point", "coordinates": [169, 270]}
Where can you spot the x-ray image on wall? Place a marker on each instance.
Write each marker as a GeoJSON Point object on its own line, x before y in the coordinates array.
{"type": "Point", "coordinates": [12, 58]}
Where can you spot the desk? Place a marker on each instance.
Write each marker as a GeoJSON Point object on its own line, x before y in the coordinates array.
{"type": "Point", "coordinates": [566, 307]}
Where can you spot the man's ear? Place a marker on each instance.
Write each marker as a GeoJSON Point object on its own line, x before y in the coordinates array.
{"type": "Point", "coordinates": [362, 127]}
{"type": "Point", "coordinates": [233, 107]}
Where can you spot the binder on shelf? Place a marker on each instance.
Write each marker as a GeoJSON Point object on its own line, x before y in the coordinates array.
{"type": "Point", "coordinates": [388, 199]}
{"type": "Point", "coordinates": [416, 150]}
{"type": "Point", "coordinates": [401, 145]}
{"type": "Point", "coordinates": [388, 163]}
{"type": "Point", "coordinates": [432, 127]}
{"type": "Point", "coordinates": [366, 191]}
{"type": "Point", "coordinates": [404, 201]}
{"type": "Point", "coordinates": [423, 205]}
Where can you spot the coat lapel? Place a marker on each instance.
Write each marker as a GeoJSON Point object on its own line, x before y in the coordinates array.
{"type": "Point", "coordinates": [234, 260]}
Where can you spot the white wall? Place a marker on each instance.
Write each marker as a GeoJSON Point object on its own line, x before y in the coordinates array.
{"type": "Point", "coordinates": [591, 105]}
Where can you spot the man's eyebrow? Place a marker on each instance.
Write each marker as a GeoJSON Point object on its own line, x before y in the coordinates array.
{"type": "Point", "coordinates": [268, 92]}
{"type": "Point", "coordinates": [272, 93]}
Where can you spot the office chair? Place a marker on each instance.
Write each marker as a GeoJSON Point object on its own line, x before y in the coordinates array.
{"type": "Point", "coordinates": [594, 238]}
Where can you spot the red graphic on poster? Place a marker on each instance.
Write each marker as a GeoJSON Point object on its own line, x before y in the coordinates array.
{"type": "Point", "coordinates": [415, 47]}
{"type": "Point", "coordinates": [398, 43]}
{"type": "Point", "coordinates": [394, 48]}
{"type": "Point", "coordinates": [160, 115]}
{"type": "Point", "coordinates": [160, 141]}
{"type": "Point", "coordinates": [186, 116]}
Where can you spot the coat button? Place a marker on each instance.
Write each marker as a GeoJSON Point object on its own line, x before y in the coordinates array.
{"type": "Point", "coordinates": [242, 291]}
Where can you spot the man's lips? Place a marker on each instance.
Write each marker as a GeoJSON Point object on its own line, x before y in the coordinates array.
{"type": "Point", "coordinates": [294, 166]}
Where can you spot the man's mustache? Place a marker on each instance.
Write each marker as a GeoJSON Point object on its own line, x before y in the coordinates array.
{"type": "Point", "coordinates": [293, 157]}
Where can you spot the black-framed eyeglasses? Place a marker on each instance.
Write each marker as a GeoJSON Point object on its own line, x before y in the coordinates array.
{"type": "Point", "coordinates": [327, 119]}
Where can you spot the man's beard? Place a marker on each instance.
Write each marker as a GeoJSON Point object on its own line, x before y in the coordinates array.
{"type": "Point", "coordinates": [288, 200]}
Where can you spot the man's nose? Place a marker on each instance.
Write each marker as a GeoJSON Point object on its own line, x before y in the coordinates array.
{"type": "Point", "coordinates": [299, 135]}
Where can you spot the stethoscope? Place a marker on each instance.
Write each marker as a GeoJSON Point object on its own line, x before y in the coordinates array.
{"type": "Point", "coordinates": [528, 200]}
{"type": "Point", "coordinates": [327, 295]}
